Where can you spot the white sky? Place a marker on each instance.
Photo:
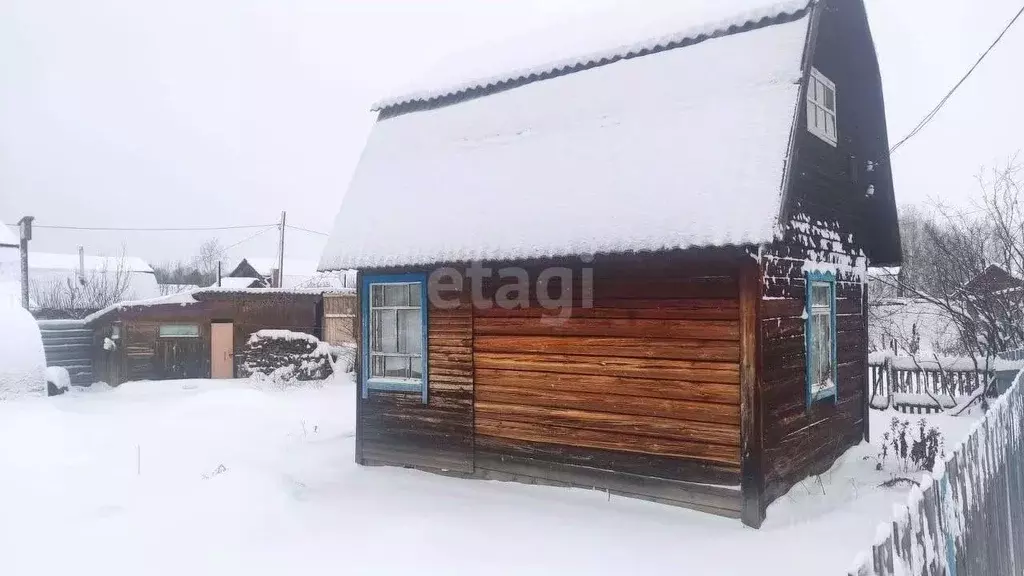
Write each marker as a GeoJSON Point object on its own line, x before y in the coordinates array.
{"type": "Point", "coordinates": [191, 113]}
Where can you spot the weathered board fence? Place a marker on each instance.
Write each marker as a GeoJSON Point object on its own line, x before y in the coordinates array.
{"type": "Point", "coordinates": [967, 519]}
{"type": "Point", "coordinates": [68, 343]}
{"type": "Point", "coordinates": [925, 385]}
{"type": "Point", "coordinates": [340, 317]}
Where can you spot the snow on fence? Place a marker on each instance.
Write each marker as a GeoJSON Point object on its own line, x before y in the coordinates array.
{"type": "Point", "coordinates": [966, 518]}
{"type": "Point", "coordinates": [924, 385]}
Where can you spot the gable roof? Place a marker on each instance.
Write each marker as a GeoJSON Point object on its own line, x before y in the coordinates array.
{"type": "Point", "coordinates": [601, 39]}
{"type": "Point", "coordinates": [993, 279]}
{"type": "Point", "coordinates": [662, 144]}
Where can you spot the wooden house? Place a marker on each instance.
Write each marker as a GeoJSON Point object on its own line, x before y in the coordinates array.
{"type": "Point", "coordinates": [193, 335]}
{"type": "Point", "coordinates": [641, 270]}
{"type": "Point", "coordinates": [994, 279]}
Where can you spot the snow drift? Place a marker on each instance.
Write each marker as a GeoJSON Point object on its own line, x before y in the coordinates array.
{"type": "Point", "coordinates": [22, 363]}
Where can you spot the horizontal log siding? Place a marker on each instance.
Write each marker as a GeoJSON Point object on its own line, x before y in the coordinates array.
{"type": "Point", "coordinates": [397, 428]}
{"type": "Point", "coordinates": [798, 441]}
{"type": "Point", "coordinates": [644, 384]}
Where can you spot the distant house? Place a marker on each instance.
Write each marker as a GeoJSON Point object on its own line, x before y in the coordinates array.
{"type": "Point", "coordinates": [193, 335]}
{"type": "Point", "coordinates": [297, 273]}
{"type": "Point", "coordinates": [993, 279]}
{"type": "Point", "coordinates": [131, 278]}
{"type": "Point", "coordinates": [672, 237]}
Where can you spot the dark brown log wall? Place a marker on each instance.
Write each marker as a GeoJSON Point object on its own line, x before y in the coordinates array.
{"type": "Point", "coordinates": [645, 383]}
{"type": "Point", "coordinates": [801, 440]}
{"type": "Point", "coordinates": [397, 428]}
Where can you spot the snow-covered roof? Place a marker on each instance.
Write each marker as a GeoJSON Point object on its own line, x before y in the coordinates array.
{"type": "Point", "coordinates": [292, 266]}
{"type": "Point", "coordinates": [299, 273]}
{"type": "Point", "coordinates": [53, 261]}
{"type": "Point", "coordinates": [671, 149]}
{"type": "Point", "coordinates": [600, 38]}
{"type": "Point", "coordinates": [257, 291]}
{"type": "Point", "coordinates": [7, 236]}
{"type": "Point", "coordinates": [230, 282]}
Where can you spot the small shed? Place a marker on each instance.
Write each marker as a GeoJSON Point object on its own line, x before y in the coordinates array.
{"type": "Point", "coordinates": [193, 335]}
{"type": "Point", "coordinates": [640, 268]}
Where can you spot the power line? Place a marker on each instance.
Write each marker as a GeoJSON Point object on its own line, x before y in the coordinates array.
{"type": "Point", "coordinates": [301, 229]}
{"type": "Point", "coordinates": [928, 118]}
{"type": "Point", "coordinates": [124, 229]}
{"type": "Point", "coordinates": [247, 238]}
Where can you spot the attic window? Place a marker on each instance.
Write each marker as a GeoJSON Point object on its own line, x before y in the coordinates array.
{"type": "Point", "coordinates": [821, 107]}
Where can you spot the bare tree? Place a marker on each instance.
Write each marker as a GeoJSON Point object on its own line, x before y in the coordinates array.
{"type": "Point", "coordinates": [94, 289]}
{"type": "Point", "coordinates": [201, 270]}
{"type": "Point", "coordinates": [210, 254]}
{"type": "Point", "coordinates": [961, 245]}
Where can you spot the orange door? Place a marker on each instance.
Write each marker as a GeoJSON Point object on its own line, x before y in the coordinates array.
{"type": "Point", "coordinates": [222, 348]}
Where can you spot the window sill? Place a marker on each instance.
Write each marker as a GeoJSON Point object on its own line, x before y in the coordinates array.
{"type": "Point", "coordinates": [394, 385]}
{"type": "Point", "coordinates": [824, 395]}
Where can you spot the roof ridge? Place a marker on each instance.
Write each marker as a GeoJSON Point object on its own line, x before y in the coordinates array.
{"type": "Point", "coordinates": [780, 12]}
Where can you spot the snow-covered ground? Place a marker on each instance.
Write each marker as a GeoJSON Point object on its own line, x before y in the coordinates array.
{"type": "Point", "coordinates": [203, 477]}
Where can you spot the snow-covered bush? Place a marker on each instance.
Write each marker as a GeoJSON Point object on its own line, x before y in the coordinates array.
{"type": "Point", "coordinates": [22, 362]}
{"type": "Point", "coordinates": [57, 380]}
{"type": "Point", "coordinates": [283, 356]}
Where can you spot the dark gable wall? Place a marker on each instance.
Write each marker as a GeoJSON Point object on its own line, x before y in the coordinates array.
{"type": "Point", "coordinates": [821, 185]}
{"type": "Point", "coordinates": [835, 223]}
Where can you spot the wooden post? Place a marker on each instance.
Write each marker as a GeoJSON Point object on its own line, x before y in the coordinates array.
{"type": "Point", "coordinates": [751, 410]}
{"type": "Point", "coordinates": [357, 369]}
{"type": "Point", "coordinates": [865, 405]}
{"type": "Point", "coordinates": [280, 254]}
{"type": "Point", "coordinates": [25, 227]}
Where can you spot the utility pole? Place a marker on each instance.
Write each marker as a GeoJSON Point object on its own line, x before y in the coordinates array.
{"type": "Point", "coordinates": [25, 226]}
{"type": "Point", "coordinates": [280, 253]}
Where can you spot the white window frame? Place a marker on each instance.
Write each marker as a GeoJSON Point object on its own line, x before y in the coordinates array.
{"type": "Point", "coordinates": [821, 119]}
{"type": "Point", "coordinates": [178, 331]}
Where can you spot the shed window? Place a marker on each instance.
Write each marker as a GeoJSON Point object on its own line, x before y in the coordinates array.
{"type": "Point", "coordinates": [821, 336]}
{"type": "Point", "coordinates": [179, 331]}
{"type": "Point", "coordinates": [821, 107]}
{"type": "Point", "coordinates": [394, 333]}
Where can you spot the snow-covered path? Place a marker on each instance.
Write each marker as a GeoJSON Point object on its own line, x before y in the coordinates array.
{"type": "Point", "coordinates": [204, 477]}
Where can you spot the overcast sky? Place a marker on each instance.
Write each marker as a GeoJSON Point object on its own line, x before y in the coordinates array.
{"type": "Point", "coordinates": [207, 113]}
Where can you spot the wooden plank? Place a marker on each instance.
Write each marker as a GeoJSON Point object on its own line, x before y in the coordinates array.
{"type": "Point", "coordinates": [690, 329]}
{"type": "Point", "coordinates": [710, 499]}
{"type": "Point", "coordinates": [612, 403]}
{"type": "Point", "coordinates": [551, 434]}
{"type": "Point", "coordinates": [664, 309]}
{"type": "Point", "coordinates": [865, 379]}
{"type": "Point", "coordinates": [751, 407]}
{"type": "Point", "coordinates": [654, 368]}
{"type": "Point", "coordinates": [713, 392]}
{"type": "Point", "coordinates": [650, 465]}
{"type": "Point", "coordinates": [656, 427]}
{"type": "Point", "coordinates": [711, 350]}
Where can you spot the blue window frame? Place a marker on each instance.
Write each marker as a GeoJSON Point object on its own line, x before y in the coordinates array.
{"type": "Point", "coordinates": [394, 330]}
{"type": "Point", "coordinates": [820, 336]}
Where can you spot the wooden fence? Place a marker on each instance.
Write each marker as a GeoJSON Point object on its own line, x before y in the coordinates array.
{"type": "Point", "coordinates": [968, 518]}
{"type": "Point", "coordinates": [924, 386]}
{"type": "Point", "coordinates": [339, 317]}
